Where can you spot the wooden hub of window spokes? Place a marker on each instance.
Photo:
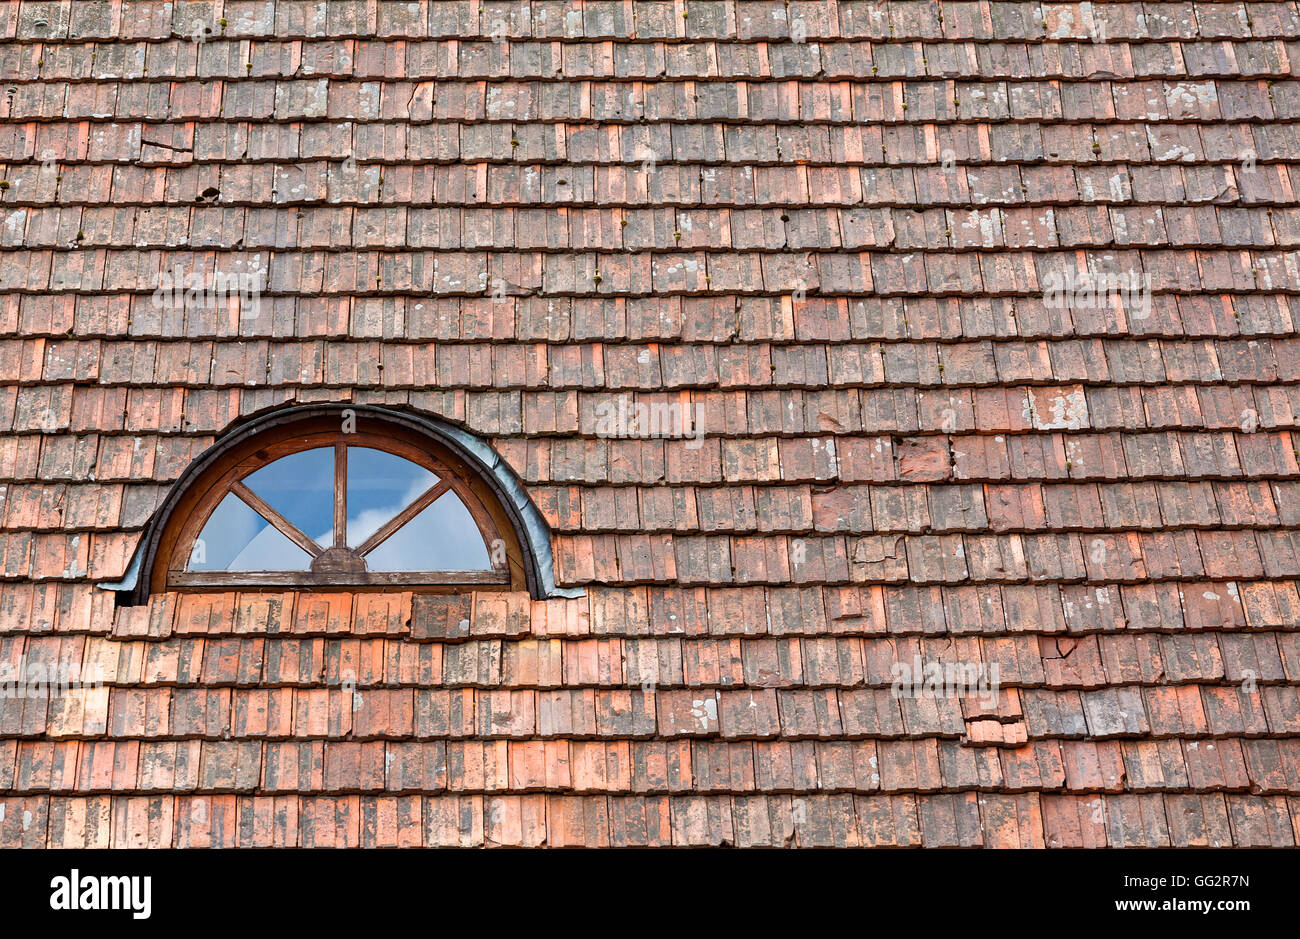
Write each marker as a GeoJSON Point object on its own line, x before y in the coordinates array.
{"type": "Point", "coordinates": [338, 561]}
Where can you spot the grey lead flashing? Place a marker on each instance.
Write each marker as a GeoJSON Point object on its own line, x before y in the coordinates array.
{"type": "Point", "coordinates": [535, 527]}
{"type": "Point", "coordinates": [534, 534]}
{"type": "Point", "coordinates": [128, 581]}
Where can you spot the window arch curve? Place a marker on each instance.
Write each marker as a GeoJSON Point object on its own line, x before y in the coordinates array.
{"type": "Point", "coordinates": [345, 496]}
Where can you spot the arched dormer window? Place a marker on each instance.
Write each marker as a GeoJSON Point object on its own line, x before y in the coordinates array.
{"type": "Point", "coordinates": [338, 496]}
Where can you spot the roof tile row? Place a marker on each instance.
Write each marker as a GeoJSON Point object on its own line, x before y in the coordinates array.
{"type": "Point", "coordinates": [815, 820]}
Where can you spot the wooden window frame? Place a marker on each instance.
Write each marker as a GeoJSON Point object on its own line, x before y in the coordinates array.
{"type": "Point", "coordinates": [334, 567]}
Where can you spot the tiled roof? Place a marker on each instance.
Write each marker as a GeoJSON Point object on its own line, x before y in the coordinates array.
{"type": "Point", "coordinates": [832, 227]}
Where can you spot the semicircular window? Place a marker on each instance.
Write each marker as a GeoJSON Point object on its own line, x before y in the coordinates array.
{"type": "Point", "coordinates": [337, 509]}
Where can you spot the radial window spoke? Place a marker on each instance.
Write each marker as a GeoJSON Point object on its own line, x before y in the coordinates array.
{"type": "Point", "coordinates": [379, 486]}
{"type": "Point", "coordinates": [300, 487]}
{"type": "Point", "coordinates": [236, 538]}
{"type": "Point", "coordinates": [442, 537]}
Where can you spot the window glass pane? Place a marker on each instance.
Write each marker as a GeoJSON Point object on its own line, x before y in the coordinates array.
{"type": "Point", "coordinates": [380, 485]}
{"type": "Point", "coordinates": [441, 538]}
{"type": "Point", "coordinates": [236, 538]}
{"type": "Point", "coordinates": [301, 488]}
